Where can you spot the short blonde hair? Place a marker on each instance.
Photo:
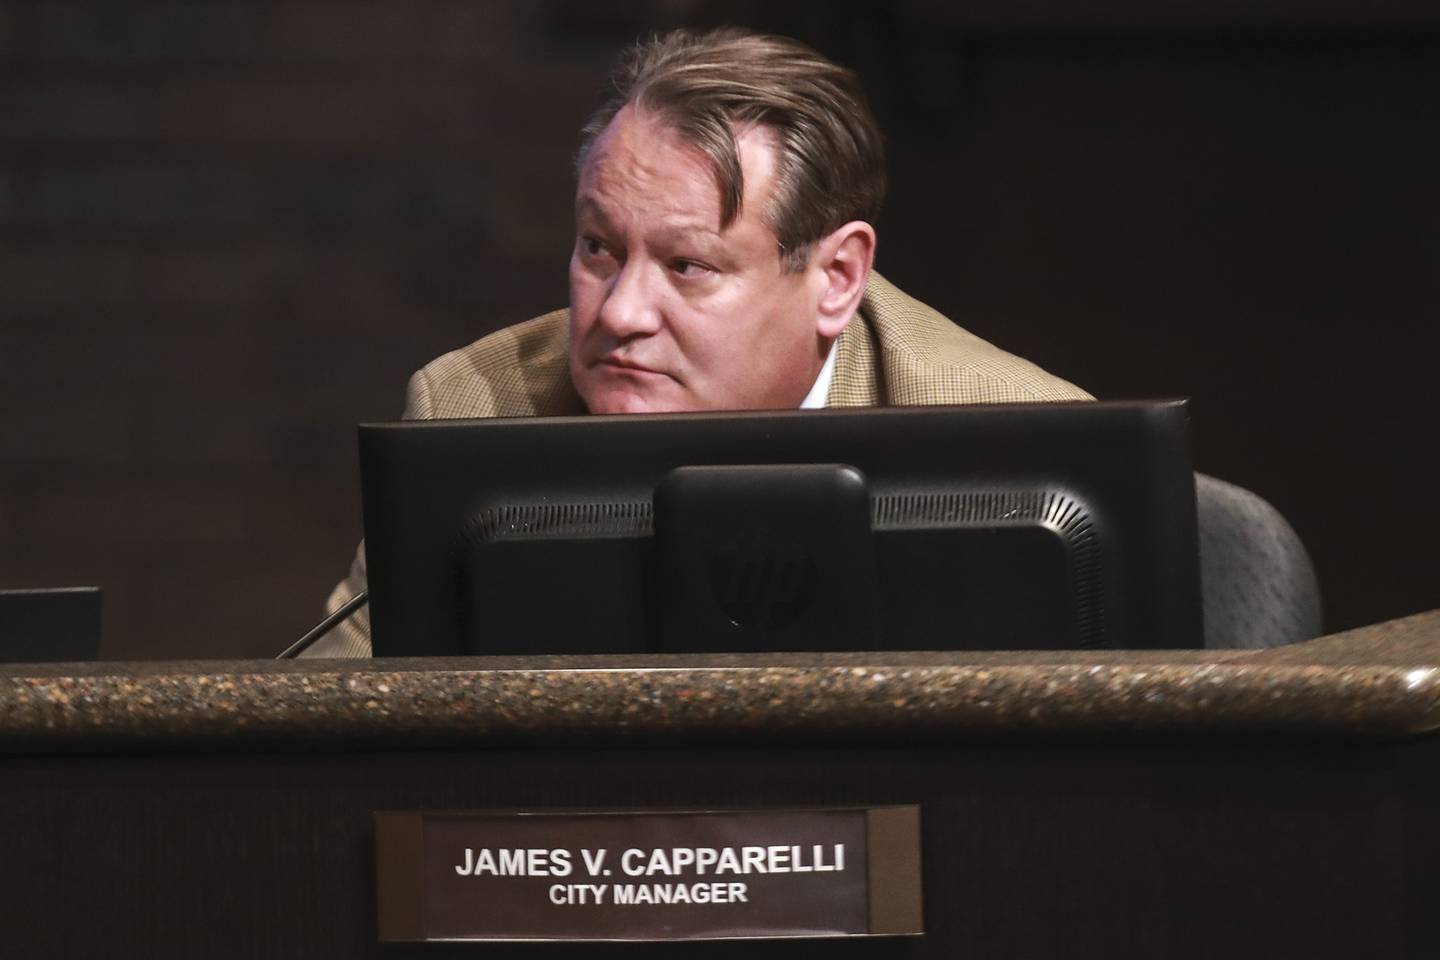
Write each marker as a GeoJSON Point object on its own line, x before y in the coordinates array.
{"type": "Point", "coordinates": [830, 156]}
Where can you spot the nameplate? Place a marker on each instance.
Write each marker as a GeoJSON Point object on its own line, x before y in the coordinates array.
{"type": "Point", "coordinates": [683, 875]}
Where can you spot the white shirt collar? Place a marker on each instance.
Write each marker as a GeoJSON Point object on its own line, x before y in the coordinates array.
{"type": "Point", "coordinates": [815, 399]}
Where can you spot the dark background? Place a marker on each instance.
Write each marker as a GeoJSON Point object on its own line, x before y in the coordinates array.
{"type": "Point", "coordinates": [230, 229]}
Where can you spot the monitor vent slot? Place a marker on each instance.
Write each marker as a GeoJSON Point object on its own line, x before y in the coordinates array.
{"type": "Point", "coordinates": [560, 520]}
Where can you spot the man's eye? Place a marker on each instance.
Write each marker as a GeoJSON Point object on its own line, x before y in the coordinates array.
{"type": "Point", "coordinates": [689, 268]}
{"type": "Point", "coordinates": [593, 247]}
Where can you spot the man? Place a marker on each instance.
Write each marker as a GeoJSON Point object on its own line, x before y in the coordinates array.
{"type": "Point", "coordinates": [724, 244]}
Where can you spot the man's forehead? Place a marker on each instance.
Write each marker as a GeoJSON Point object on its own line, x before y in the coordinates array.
{"type": "Point", "coordinates": [673, 189]}
{"type": "Point", "coordinates": [642, 143]}
{"type": "Point", "coordinates": [641, 157]}
{"type": "Point", "coordinates": [591, 208]}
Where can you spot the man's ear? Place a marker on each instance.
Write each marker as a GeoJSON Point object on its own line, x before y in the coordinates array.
{"type": "Point", "coordinates": [844, 257]}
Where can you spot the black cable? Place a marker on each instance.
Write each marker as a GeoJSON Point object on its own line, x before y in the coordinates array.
{"type": "Point", "coordinates": [325, 626]}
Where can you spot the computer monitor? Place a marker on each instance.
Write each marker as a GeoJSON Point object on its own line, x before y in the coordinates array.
{"type": "Point", "coordinates": [50, 625]}
{"type": "Point", "coordinates": [1026, 526]}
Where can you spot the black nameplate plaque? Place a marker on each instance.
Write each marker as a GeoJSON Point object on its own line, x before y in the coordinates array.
{"type": "Point", "coordinates": [446, 876]}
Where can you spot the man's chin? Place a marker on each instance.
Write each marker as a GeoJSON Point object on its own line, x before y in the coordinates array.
{"type": "Point", "coordinates": [618, 401]}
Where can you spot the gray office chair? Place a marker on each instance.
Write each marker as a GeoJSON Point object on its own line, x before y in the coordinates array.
{"type": "Point", "coordinates": [1257, 585]}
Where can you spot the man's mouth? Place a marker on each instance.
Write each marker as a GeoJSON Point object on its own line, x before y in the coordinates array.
{"type": "Point", "coordinates": [622, 365]}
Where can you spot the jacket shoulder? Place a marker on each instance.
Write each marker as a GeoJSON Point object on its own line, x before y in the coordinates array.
{"type": "Point", "coordinates": [927, 358]}
{"type": "Point", "coordinates": [518, 371]}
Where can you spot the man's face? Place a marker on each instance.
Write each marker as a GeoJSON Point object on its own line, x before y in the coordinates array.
{"type": "Point", "coordinates": [668, 312]}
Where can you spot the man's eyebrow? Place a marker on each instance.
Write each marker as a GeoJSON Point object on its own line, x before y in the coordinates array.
{"type": "Point", "coordinates": [588, 205]}
{"type": "Point", "coordinates": [688, 231]}
{"type": "Point", "coordinates": [687, 228]}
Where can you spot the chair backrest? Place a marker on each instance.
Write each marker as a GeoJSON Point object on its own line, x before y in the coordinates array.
{"type": "Point", "coordinates": [1258, 586]}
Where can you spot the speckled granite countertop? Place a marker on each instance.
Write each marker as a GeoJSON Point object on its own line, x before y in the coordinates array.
{"type": "Point", "coordinates": [1379, 682]}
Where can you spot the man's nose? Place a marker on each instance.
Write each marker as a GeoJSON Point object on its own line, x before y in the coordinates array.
{"type": "Point", "coordinates": [631, 306]}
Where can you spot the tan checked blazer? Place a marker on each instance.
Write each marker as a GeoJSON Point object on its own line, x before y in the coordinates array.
{"type": "Point", "coordinates": [897, 352]}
